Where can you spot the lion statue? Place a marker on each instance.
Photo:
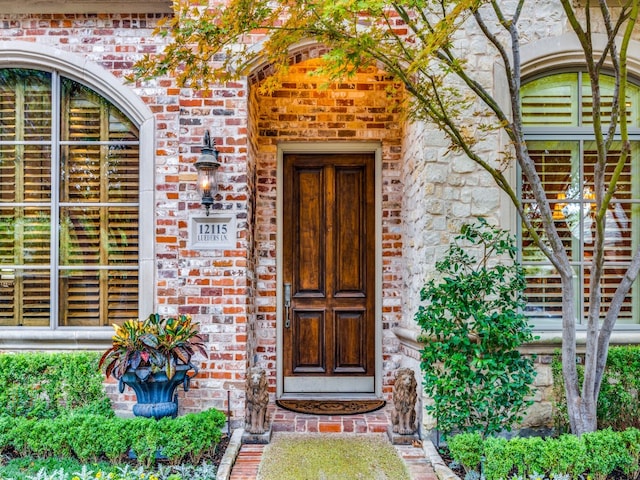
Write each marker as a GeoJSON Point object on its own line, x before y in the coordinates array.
{"type": "Point", "coordinates": [403, 415]}
{"type": "Point", "coordinates": [257, 400]}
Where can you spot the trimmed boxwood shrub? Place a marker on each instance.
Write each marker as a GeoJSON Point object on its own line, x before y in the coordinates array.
{"type": "Point", "coordinates": [54, 404]}
{"type": "Point", "coordinates": [46, 385]}
{"type": "Point", "coordinates": [90, 438]}
{"type": "Point", "coordinates": [593, 455]}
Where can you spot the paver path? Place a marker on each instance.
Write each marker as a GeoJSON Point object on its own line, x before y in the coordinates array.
{"type": "Point", "coordinates": [248, 461]}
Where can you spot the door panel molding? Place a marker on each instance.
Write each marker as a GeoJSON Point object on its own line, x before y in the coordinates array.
{"type": "Point", "coordinates": [311, 183]}
{"type": "Point", "coordinates": [308, 328]}
{"type": "Point", "coordinates": [349, 356]}
{"type": "Point", "coordinates": [349, 288]}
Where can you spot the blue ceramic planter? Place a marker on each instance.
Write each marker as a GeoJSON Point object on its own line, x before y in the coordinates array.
{"type": "Point", "coordinates": [155, 392]}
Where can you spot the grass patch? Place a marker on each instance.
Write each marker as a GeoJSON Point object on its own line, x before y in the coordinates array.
{"type": "Point", "coordinates": [331, 457]}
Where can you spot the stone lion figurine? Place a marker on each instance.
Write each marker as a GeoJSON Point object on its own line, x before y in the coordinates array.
{"type": "Point", "coordinates": [257, 400]}
{"type": "Point", "coordinates": [403, 415]}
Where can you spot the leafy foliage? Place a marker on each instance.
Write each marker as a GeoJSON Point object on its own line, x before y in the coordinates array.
{"type": "Point", "coordinates": [155, 343]}
{"type": "Point", "coordinates": [212, 43]}
{"type": "Point", "coordinates": [65, 469]}
{"type": "Point", "coordinates": [473, 325]}
{"type": "Point", "coordinates": [89, 438]}
{"type": "Point", "coordinates": [618, 402]}
{"type": "Point", "coordinates": [593, 455]}
{"type": "Point", "coordinates": [46, 385]}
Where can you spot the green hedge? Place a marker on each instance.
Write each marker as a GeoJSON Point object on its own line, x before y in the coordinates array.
{"type": "Point", "coordinates": [595, 454]}
{"type": "Point", "coordinates": [54, 404]}
{"type": "Point", "coordinates": [90, 438]}
{"type": "Point", "coordinates": [46, 385]}
{"type": "Point", "coordinates": [618, 403]}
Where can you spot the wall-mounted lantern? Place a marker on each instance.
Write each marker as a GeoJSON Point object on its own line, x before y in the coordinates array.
{"type": "Point", "coordinates": [207, 166]}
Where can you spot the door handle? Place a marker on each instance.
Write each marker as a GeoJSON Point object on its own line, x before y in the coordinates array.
{"type": "Point", "coordinates": [287, 304]}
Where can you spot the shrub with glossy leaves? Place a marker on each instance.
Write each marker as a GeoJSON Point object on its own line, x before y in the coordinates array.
{"type": "Point", "coordinates": [473, 325]}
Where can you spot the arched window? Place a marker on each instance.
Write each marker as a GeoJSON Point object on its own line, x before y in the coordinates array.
{"type": "Point", "coordinates": [559, 129]}
{"type": "Point", "coordinates": [69, 204]}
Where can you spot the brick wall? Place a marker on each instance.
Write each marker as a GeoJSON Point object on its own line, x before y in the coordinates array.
{"type": "Point", "coordinates": [232, 292]}
{"type": "Point", "coordinates": [215, 287]}
{"type": "Point", "coordinates": [359, 109]}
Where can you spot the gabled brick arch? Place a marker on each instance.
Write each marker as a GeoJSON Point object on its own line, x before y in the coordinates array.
{"type": "Point", "coordinates": [360, 109]}
{"type": "Point", "coordinates": [298, 54]}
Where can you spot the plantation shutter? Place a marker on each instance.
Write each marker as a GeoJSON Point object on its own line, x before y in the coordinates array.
{"type": "Point", "coordinates": [98, 175]}
{"type": "Point", "coordinates": [556, 163]}
{"type": "Point", "coordinates": [25, 197]}
{"type": "Point", "coordinates": [566, 168]}
{"type": "Point", "coordinates": [92, 268]}
{"type": "Point", "coordinates": [551, 101]}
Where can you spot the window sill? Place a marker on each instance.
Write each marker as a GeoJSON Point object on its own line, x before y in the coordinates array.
{"type": "Point", "coordinates": [547, 343]}
{"type": "Point", "coordinates": [14, 339]}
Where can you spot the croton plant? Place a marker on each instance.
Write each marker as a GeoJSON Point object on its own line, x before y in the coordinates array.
{"type": "Point", "coordinates": [152, 345]}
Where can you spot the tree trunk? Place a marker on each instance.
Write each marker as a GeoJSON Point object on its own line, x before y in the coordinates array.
{"type": "Point", "coordinates": [582, 415]}
{"type": "Point", "coordinates": [581, 403]}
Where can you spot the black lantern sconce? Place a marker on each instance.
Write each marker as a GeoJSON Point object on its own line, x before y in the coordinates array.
{"type": "Point", "coordinates": [207, 166]}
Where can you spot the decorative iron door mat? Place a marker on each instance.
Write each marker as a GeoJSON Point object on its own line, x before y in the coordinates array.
{"type": "Point", "coordinates": [331, 407]}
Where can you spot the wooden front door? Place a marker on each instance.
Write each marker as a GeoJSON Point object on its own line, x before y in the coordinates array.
{"type": "Point", "coordinates": [329, 273]}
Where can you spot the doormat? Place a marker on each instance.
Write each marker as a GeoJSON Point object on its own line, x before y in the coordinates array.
{"type": "Point", "coordinates": [331, 407]}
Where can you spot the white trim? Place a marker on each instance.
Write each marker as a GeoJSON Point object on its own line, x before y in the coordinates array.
{"type": "Point", "coordinates": [43, 338]}
{"type": "Point", "coordinates": [564, 51]}
{"type": "Point", "coordinates": [17, 54]}
{"type": "Point", "coordinates": [147, 220]}
{"type": "Point", "coordinates": [547, 343]}
{"type": "Point", "coordinates": [331, 147]}
{"type": "Point", "coordinates": [260, 61]}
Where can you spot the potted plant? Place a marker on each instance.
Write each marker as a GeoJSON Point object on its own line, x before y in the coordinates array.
{"type": "Point", "coordinates": [153, 357]}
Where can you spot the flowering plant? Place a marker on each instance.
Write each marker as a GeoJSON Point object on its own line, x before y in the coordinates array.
{"type": "Point", "coordinates": [151, 345]}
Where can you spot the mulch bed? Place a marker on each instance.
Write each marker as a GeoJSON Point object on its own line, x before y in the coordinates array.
{"type": "Point", "coordinates": [221, 448]}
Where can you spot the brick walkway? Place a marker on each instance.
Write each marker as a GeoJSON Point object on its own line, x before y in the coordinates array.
{"type": "Point", "coordinates": [248, 461]}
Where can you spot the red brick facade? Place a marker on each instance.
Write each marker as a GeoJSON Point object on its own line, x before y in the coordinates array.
{"type": "Point", "coordinates": [360, 109]}
{"type": "Point", "coordinates": [232, 293]}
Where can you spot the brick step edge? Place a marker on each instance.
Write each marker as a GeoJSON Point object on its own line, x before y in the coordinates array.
{"type": "Point", "coordinates": [442, 471]}
{"type": "Point", "coordinates": [230, 455]}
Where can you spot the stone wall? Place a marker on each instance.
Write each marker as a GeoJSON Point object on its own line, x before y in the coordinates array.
{"type": "Point", "coordinates": [443, 190]}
